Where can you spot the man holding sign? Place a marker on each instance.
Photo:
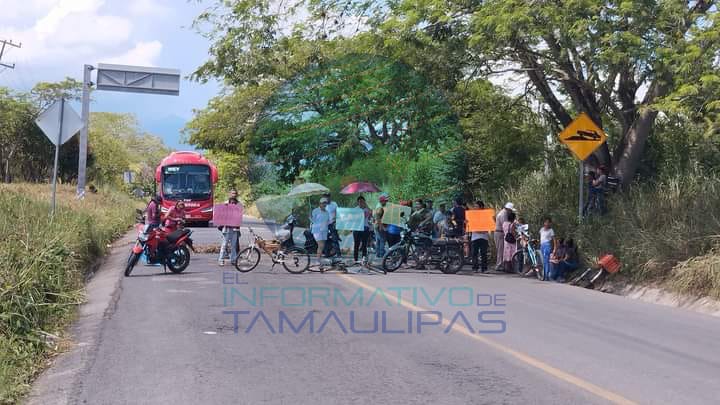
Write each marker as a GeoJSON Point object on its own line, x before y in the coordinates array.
{"type": "Point", "coordinates": [228, 218]}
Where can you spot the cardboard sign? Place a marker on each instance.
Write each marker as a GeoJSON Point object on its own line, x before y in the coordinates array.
{"type": "Point", "coordinates": [480, 220]}
{"type": "Point", "coordinates": [228, 215]}
{"type": "Point", "coordinates": [350, 219]}
{"type": "Point", "coordinates": [392, 214]}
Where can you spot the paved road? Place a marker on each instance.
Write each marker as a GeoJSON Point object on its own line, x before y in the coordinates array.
{"type": "Point", "coordinates": [172, 339]}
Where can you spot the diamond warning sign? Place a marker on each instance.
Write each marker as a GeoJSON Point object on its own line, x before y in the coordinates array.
{"type": "Point", "coordinates": [582, 136]}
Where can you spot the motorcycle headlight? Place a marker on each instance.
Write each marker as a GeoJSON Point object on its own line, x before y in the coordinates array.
{"type": "Point", "coordinates": [143, 237]}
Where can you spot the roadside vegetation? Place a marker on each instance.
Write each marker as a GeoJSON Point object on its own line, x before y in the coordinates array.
{"type": "Point", "coordinates": [43, 263]}
{"type": "Point", "coordinates": [443, 99]}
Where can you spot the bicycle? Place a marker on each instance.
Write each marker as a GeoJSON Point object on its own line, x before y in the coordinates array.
{"type": "Point", "coordinates": [341, 265]}
{"type": "Point", "coordinates": [528, 257]}
{"type": "Point", "coordinates": [294, 259]}
{"type": "Point", "coordinates": [605, 265]}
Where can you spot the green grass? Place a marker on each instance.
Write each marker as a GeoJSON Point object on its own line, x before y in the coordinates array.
{"type": "Point", "coordinates": [42, 266]}
{"type": "Point", "coordinates": [664, 232]}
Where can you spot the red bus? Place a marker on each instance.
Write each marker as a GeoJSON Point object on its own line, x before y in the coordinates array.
{"type": "Point", "coordinates": [190, 177]}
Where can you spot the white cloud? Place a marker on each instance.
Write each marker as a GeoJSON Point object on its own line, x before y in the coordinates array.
{"type": "Point", "coordinates": [61, 35]}
{"type": "Point", "coordinates": [149, 8]}
{"type": "Point", "coordinates": [143, 54]}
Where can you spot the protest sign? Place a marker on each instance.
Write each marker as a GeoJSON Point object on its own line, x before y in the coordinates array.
{"type": "Point", "coordinates": [228, 215]}
{"type": "Point", "coordinates": [393, 214]}
{"type": "Point", "coordinates": [350, 219]}
{"type": "Point", "coordinates": [480, 220]}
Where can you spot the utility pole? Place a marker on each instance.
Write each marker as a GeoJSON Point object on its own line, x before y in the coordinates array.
{"type": "Point", "coordinates": [5, 44]}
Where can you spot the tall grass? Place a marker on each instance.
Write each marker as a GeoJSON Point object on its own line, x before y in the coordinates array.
{"type": "Point", "coordinates": [42, 265]}
{"type": "Point", "coordinates": [656, 229]}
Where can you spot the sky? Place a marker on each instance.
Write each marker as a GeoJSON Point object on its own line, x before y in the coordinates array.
{"type": "Point", "coordinates": [59, 36]}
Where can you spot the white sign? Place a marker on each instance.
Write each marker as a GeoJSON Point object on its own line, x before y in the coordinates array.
{"type": "Point", "coordinates": [49, 122]}
{"type": "Point", "coordinates": [138, 79]}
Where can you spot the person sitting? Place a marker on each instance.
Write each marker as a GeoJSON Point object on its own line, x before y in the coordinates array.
{"type": "Point", "coordinates": [176, 215]}
{"type": "Point", "coordinates": [565, 261]}
{"type": "Point", "coordinates": [421, 219]}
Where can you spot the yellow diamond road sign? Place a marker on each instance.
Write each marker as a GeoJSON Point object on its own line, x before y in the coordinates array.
{"type": "Point", "coordinates": [582, 136]}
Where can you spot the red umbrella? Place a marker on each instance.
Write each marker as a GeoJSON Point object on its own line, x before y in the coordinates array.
{"type": "Point", "coordinates": [360, 187]}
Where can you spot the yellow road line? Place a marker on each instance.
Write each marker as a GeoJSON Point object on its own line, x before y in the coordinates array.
{"type": "Point", "coordinates": [527, 359]}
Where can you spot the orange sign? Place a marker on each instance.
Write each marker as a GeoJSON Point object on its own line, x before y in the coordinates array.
{"type": "Point", "coordinates": [582, 136]}
{"type": "Point", "coordinates": [480, 220]}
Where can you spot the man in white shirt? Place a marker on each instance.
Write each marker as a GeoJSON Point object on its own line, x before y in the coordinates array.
{"type": "Point", "coordinates": [331, 208]}
{"type": "Point", "coordinates": [499, 234]}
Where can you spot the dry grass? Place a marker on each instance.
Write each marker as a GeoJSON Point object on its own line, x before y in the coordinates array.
{"type": "Point", "coordinates": [42, 264]}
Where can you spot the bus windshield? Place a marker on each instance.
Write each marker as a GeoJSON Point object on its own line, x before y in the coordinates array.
{"type": "Point", "coordinates": [186, 182]}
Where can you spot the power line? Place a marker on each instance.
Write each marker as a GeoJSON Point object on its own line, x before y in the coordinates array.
{"type": "Point", "coordinates": [6, 43]}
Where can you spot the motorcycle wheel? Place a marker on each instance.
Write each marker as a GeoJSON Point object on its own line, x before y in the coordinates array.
{"type": "Point", "coordinates": [179, 260]}
{"type": "Point", "coordinates": [132, 261]}
{"type": "Point", "coordinates": [393, 259]}
{"type": "Point", "coordinates": [455, 262]}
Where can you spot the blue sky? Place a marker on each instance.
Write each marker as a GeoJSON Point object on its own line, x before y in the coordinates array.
{"type": "Point", "coordinates": [59, 36]}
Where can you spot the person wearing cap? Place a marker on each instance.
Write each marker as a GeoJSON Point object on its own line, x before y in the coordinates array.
{"type": "Point", "coordinates": [380, 228]}
{"type": "Point", "coordinates": [499, 234]}
{"type": "Point", "coordinates": [320, 220]}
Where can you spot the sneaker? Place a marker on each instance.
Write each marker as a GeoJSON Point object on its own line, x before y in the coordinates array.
{"type": "Point", "coordinates": [221, 262]}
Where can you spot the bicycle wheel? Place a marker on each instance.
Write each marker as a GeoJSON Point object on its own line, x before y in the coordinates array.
{"type": "Point", "coordinates": [581, 277]}
{"type": "Point", "coordinates": [296, 260]}
{"type": "Point", "coordinates": [518, 262]}
{"type": "Point", "coordinates": [247, 260]}
{"type": "Point", "coordinates": [393, 259]}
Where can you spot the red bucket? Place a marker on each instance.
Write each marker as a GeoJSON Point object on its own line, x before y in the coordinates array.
{"type": "Point", "coordinates": [610, 263]}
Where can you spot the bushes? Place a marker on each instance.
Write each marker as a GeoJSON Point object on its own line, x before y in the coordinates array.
{"type": "Point", "coordinates": [42, 266]}
{"type": "Point", "coordinates": [651, 228]}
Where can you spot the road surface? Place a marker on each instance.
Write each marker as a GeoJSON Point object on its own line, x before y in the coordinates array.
{"type": "Point", "coordinates": [202, 337]}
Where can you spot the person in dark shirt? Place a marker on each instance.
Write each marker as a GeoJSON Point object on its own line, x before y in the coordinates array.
{"type": "Point", "coordinates": [458, 214]}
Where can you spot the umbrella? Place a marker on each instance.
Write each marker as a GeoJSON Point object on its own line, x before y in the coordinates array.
{"type": "Point", "coordinates": [308, 189]}
{"type": "Point", "coordinates": [360, 187]}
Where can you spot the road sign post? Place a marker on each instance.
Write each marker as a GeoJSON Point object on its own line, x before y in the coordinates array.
{"type": "Point", "coordinates": [59, 123]}
{"type": "Point", "coordinates": [582, 137]}
{"type": "Point", "coordinates": [57, 154]}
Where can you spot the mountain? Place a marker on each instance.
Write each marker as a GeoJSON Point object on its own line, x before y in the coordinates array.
{"type": "Point", "coordinates": [168, 128]}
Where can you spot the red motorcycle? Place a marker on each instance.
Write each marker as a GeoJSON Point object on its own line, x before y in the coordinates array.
{"type": "Point", "coordinates": [164, 245]}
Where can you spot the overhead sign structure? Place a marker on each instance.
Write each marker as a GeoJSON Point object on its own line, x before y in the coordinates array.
{"type": "Point", "coordinates": [582, 136]}
{"type": "Point", "coordinates": [133, 79]}
{"type": "Point", "coordinates": [137, 79]}
{"type": "Point", "coordinates": [49, 122]}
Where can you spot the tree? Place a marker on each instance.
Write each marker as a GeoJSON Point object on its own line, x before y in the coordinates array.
{"type": "Point", "coordinates": [615, 60]}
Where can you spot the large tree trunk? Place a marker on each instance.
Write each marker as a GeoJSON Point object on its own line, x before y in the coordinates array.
{"type": "Point", "coordinates": [627, 159]}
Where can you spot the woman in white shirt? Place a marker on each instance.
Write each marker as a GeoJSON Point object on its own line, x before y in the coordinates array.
{"type": "Point", "coordinates": [320, 219]}
{"type": "Point", "coordinates": [547, 245]}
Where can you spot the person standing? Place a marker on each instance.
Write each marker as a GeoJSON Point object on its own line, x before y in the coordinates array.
{"type": "Point", "coordinates": [510, 246]}
{"type": "Point", "coordinates": [360, 238]}
{"type": "Point", "coordinates": [458, 214]}
{"type": "Point", "coordinates": [479, 242]}
{"type": "Point", "coordinates": [380, 228]}
{"type": "Point", "coordinates": [320, 221]}
{"type": "Point", "coordinates": [439, 221]}
{"type": "Point", "coordinates": [599, 185]}
{"type": "Point", "coordinates": [499, 234]}
{"type": "Point", "coordinates": [547, 245]}
{"type": "Point", "coordinates": [231, 235]}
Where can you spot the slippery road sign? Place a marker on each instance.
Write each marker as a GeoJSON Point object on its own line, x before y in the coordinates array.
{"type": "Point", "coordinates": [582, 136]}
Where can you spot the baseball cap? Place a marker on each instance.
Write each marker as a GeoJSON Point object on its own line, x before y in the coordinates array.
{"type": "Point", "coordinates": [510, 206]}
{"type": "Point", "coordinates": [383, 197]}
{"type": "Point", "coordinates": [323, 200]}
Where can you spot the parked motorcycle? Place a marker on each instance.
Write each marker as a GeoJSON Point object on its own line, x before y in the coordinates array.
{"type": "Point", "coordinates": [332, 244]}
{"type": "Point", "coordinates": [419, 250]}
{"type": "Point", "coordinates": [170, 248]}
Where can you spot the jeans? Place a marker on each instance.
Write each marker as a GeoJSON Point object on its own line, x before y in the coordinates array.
{"type": "Point", "coordinates": [559, 270]}
{"type": "Point", "coordinates": [480, 246]}
{"type": "Point", "coordinates": [546, 250]}
{"type": "Point", "coordinates": [360, 242]}
{"type": "Point", "coordinates": [379, 244]}
{"type": "Point", "coordinates": [230, 237]}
